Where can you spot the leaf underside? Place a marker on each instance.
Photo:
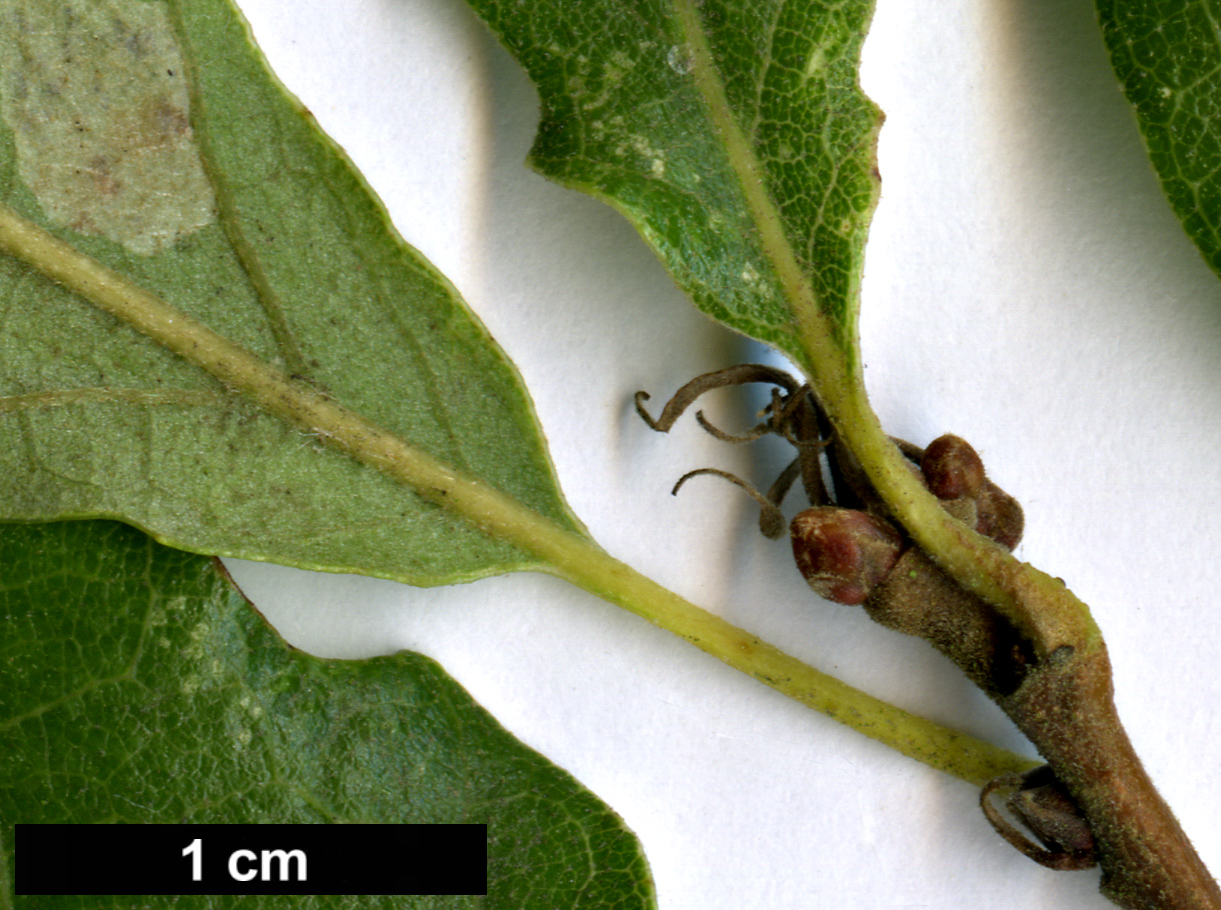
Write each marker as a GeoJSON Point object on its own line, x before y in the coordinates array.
{"type": "Point", "coordinates": [152, 136]}
{"type": "Point", "coordinates": [693, 118]}
{"type": "Point", "coordinates": [139, 687]}
{"type": "Point", "coordinates": [1167, 56]}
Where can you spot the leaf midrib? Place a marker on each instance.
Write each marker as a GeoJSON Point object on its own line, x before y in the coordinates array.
{"type": "Point", "coordinates": [828, 365]}
{"type": "Point", "coordinates": [835, 376]}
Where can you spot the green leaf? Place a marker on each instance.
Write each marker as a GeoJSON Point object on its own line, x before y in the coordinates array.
{"type": "Point", "coordinates": [140, 688]}
{"type": "Point", "coordinates": [1168, 58]}
{"type": "Point", "coordinates": [268, 236]}
{"type": "Point", "coordinates": [733, 135]}
{"type": "Point", "coordinates": [560, 548]}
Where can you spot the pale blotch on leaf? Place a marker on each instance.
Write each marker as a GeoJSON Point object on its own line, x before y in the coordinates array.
{"type": "Point", "coordinates": [96, 97]}
{"type": "Point", "coordinates": [815, 64]}
{"type": "Point", "coordinates": [678, 58]}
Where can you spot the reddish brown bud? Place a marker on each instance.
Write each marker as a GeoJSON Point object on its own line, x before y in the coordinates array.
{"type": "Point", "coordinates": [1050, 813]}
{"type": "Point", "coordinates": [952, 468]}
{"type": "Point", "coordinates": [1000, 517]}
{"type": "Point", "coordinates": [954, 473]}
{"type": "Point", "coordinates": [1045, 808]}
{"type": "Point", "coordinates": [843, 553]}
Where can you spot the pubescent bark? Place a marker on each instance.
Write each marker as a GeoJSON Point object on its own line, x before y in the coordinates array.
{"type": "Point", "coordinates": [1067, 709]}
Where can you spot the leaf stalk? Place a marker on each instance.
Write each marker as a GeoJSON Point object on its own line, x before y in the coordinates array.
{"type": "Point", "coordinates": [568, 555]}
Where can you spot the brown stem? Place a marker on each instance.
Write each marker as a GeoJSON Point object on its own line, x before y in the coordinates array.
{"type": "Point", "coordinates": [1062, 700]}
{"type": "Point", "coordinates": [1066, 707]}
{"type": "Point", "coordinates": [1053, 680]}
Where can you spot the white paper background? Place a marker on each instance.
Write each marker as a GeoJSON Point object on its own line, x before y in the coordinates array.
{"type": "Point", "coordinates": [1027, 288]}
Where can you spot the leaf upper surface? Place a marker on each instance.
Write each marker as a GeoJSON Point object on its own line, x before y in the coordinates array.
{"type": "Point", "coordinates": [734, 136]}
{"type": "Point", "coordinates": [269, 237]}
{"type": "Point", "coordinates": [139, 687]}
{"type": "Point", "coordinates": [1167, 55]}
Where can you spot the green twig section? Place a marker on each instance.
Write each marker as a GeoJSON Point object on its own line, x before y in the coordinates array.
{"type": "Point", "coordinates": [570, 555]}
{"type": "Point", "coordinates": [1043, 607]}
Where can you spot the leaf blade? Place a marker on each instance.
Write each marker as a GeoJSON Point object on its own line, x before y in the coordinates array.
{"type": "Point", "coordinates": [641, 108]}
{"type": "Point", "coordinates": [104, 423]}
{"type": "Point", "coordinates": [1166, 58]}
{"type": "Point", "coordinates": [195, 711]}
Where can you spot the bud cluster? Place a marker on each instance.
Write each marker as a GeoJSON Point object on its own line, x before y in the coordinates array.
{"type": "Point", "coordinates": [855, 557]}
{"type": "Point", "coordinates": [849, 552]}
{"type": "Point", "coordinates": [845, 554]}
